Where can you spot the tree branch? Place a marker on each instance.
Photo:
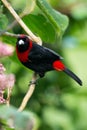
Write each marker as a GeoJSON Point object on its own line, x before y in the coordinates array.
{"type": "Point", "coordinates": [28, 94]}
{"type": "Point", "coordinates": [34, 38]}
{"type": "Point", "coordinates": [25, 12]}
{"type": "Point", "coordinates": [22, 24]}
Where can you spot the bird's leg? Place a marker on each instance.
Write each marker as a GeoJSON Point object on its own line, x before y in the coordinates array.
{"type": "Point", "coordinates": [39, 75]}
{"type": "Point", "coordinates": [34, 81]}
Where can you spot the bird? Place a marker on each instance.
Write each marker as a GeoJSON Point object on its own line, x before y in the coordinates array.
{"type": "Point", "coordinates": [41, 59]}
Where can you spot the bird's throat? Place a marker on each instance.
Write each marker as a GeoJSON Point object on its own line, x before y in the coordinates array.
{"type": "Point", "coordinates": [23, 57]}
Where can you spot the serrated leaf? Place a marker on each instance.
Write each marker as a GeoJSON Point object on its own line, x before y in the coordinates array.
{"type": "Point", "coordinates": [58, 20]}
{"type": "Point", "coordinates": [41, 27]}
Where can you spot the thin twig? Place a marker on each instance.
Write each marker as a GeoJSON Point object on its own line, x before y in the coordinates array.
{"type": "Point", "coordinates": [24, 13]}
{"type": "Point", "coordinates": [34, 38]}
{"type": "Point", "coordinates": [10, 34]}
{"type": "Point", "coordinates": [8, 97]}
{"type": "Point", "coordinates": [15, 35]}
{"type": "Point", "coordinates": [9, 92]}
{"type": "Point", "coordinates": [28, 94]}
{"type": "Point", "coordinates": [22, 24]}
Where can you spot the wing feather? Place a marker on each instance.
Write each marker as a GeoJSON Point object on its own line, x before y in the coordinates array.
{"type": "Point", "coordinates": [39, 53]}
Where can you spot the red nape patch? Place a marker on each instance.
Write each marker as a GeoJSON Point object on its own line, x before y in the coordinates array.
{"type": "Point", "coordinates": [22, 36]}
{"type": "Point", "coordinates": [58, 65]}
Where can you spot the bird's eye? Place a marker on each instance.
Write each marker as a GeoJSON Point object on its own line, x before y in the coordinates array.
{"type": "Point", "coordinates": [21, 42]}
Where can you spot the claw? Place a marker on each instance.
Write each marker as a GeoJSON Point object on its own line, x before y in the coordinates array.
{"type": "Point", "coordinates": [32, 82]}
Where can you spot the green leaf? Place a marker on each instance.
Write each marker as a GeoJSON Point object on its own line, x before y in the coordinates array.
{"type": "Point", "coordinates": [19, 120]}
{"type": "Point", "coordinates": [41, 27]}
{"type": "Point", "coordinates": [3, 22]}
{"type": "Point", "coordinates": [58, 20]}
{"type": "Point", "coordinates": [50, 25]}
{"type": "Point", "coordinates": [3, 124]}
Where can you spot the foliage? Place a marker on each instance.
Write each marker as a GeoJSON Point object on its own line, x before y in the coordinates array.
{"type": "Point", "coordinates": [57, 101]}
{"type": "Point", "coordinates": [15, 119]}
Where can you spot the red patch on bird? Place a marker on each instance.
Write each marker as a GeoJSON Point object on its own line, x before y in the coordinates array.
{"type": "Point", "coordinates": [23, 56]}
{"type": "Point", "coordinates": [58, 65]}
{"type": "Point", "coordinates": [22, 36]}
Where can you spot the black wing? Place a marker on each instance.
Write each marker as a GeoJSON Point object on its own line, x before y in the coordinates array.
{"type": "Point", "coordinates": [40, 59]}
{"type": "Point", "coordinates": [40, 54]}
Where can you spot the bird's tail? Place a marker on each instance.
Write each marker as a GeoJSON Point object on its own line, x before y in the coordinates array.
{"type": "Point", "coordinates": [72, 75]}
{"type": "Point", "coordinates": [59, 66]}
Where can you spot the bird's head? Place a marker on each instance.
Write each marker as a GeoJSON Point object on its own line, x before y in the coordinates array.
{"type": "Point", "coordinates": [23, 43]}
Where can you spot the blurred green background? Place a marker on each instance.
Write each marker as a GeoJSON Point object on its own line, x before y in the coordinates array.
{"type": "Point", "coordinates": [58, 101]}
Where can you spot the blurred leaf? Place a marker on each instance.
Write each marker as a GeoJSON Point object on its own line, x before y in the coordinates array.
{"type": "Point", "coordinates": [80, 11]}
{"type": "Point", "coordinates": [22, 6]}
{"type": "Point", "coordinates": [57, 119]}
{"type": "Point", "coordinates": [10, 129]}
{"type": "Point", "coordinates": [19, 120]}
{"type": "Point", "coordinates": [58, 20]}
{"type": "Point", "coordinates": [3, 124]}
{"type": "Point", "coordinates": [18, 4]}
{"type": "Point", "coordinates": [69, 101]}
{"type": "Point", "coordinates": [3, 22]}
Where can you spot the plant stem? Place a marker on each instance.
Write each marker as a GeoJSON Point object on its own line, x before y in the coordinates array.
{"type": "Point", "coordinates": [22, 24]}
{"type": "Point", "coordinates": [28, 94]}
{"type": "Point", "coordinates": [34, 38]}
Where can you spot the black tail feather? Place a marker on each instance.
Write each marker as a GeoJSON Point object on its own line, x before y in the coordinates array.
{"type": "Point", "coordinates": [72, 75]}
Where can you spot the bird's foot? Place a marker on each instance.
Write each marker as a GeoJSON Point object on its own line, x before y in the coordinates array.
{"type": "Point", "coordinates": [32, 82]}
